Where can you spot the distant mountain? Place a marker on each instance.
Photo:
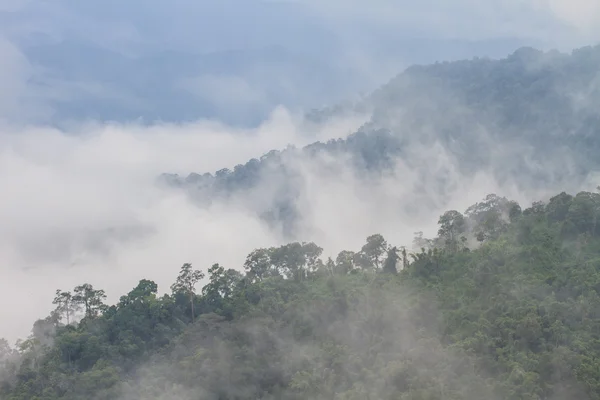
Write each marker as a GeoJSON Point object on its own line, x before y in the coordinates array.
{"type": "Point", "coordinates": [529, 119]}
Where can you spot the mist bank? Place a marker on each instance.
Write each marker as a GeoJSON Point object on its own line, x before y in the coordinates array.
{"type": "Point", "coordinates": [526, 125]}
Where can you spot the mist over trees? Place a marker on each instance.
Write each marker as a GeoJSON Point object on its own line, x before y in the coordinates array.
{"type": "Point", "coordinates": [502, 303]}
{"type": "Point", "coordinates": [529, 119]}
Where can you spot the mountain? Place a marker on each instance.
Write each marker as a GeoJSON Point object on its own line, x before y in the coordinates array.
{"type": "Point", "coordinates": [529, 120]}
{"type": "Point", "coordinates": [503, 303]}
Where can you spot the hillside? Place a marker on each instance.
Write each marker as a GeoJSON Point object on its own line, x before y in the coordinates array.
{"type": "Point", "coordinates": [502, 304]}
{"type": "Point", "coordinates": [528, 120]}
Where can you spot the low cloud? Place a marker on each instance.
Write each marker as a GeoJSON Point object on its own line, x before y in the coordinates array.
{"type": "Point", "coordinates": [82, 205]}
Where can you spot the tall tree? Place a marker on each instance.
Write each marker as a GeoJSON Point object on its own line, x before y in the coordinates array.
{"type": "Point", "coordinates": [389, 265]}
{"type": "Point", "coordinates": [404, 258]}
{"type": "Point", "coordinates": [90, 299]}
{"type": "Point", "coordinates": [296, 260]}
{"type": "Point", "coordinates": [487, 217]}
{"type": "Point", "coordinates": [65, 304]}
{"type": "Point", "coordinates": [419, 242]}
{"type": "Point", "coordinates": [374, 249]}
{"type": "Point", "coordinates": [186, 283]}
{"type": "Point", "coordinates": [145, 290]}
{"type": "Point", "coordinates": [452, 225]}
{"type": "Point", "coordinates": [258, 265]}
{"type": "Point", "coordinates": [345, 262]}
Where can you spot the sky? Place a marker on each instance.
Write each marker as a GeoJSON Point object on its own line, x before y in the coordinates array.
{"type": "Point", "coordinates": [111, 60]}
{"type": "Point", "coordinates": [215, 84]}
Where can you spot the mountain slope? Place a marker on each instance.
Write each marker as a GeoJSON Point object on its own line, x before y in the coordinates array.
{"type": "Point", "coordinates": [529, 121]}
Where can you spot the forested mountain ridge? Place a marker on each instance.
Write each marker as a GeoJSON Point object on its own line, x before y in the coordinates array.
{"type": "Point", "coordinates": [503, 303]}
{"type": "Point", "coordinates": [529, 119]}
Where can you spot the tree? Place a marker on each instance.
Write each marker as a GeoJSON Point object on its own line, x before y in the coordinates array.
{"type": "Point", "coordinates": [222, 282]}
{"type": "Point", "coordinates": [345, 262]}
{"type": "Point", "coordinates": [419, 242]}
{"type": "Point", "coordinates": [389, 266]}
{"type": "Point", "coordinates": [514, 211]}
{"type": "Point", "coordinates": [583, 211]}
{"type": "Point", "coordinates": [558, 207]}
{"type": "Point", "coordinates": [296, 260]}
{"type": "Point", "coordinates": [374, 249]}
{"type": "Point", "coordinates": [218, 292]}
{"type": "Point", "coordinates": [404, 258]}
{"type": "Point", "coordinates": [186, 283]}
{"type": "Point", "coordinates": [452, 225]}
{"type": "Point", "coordinates": [312, 252]}
{"type": "Point", "coordinates": [8, 362]}
{"type": "Point", "coordinates": [65, 304]}
{"type": "Point", "coordinates": [144, 290]}
{"type": "Point", "coordinates": [90, 299]}
{"type": "Point", "coordinates": [489, 217]}
{"type": "Point", "coordinates": [258, 265]}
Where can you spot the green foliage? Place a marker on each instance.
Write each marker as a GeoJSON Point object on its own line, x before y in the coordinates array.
{"type": "Point", "coordinates": [90, 299]}
{"type": "Point", "coordinates": [515, 315]}
{"type": "Point", "coordinates": [186, 284]}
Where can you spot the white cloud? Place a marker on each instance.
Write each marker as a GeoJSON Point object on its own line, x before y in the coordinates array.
{"type": "Point", "coordinates": [82, 206]}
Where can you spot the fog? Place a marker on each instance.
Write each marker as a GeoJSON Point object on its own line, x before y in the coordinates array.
{"type": "Point", "coordinates": [82, 205]}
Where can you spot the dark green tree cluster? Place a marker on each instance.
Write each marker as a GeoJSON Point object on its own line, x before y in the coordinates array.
{"type": "Point", "coordinates": [503, 302]}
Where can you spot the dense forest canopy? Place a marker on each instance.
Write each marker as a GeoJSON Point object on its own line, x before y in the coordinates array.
{"type": "Point", "coordinates": [502, 303]}
{"type": "Point", "coordinates": [529, 120]}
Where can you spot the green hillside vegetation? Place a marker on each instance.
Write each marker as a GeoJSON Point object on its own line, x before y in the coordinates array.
{"type": "Point", "coordinates": [502, 304]}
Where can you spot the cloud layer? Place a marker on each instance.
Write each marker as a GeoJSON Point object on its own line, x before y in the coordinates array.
{"type": "Point", "coordinates": [82, 205]}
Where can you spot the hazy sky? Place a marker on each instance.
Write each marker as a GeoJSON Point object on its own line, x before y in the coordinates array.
{"type": "Point", "coordinates": [79, 205]}
{"type": "Point", "coordinates": [114, 60]}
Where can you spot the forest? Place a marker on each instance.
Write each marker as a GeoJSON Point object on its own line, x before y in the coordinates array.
{"type": "Point", "coordinates": [503, 303]}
